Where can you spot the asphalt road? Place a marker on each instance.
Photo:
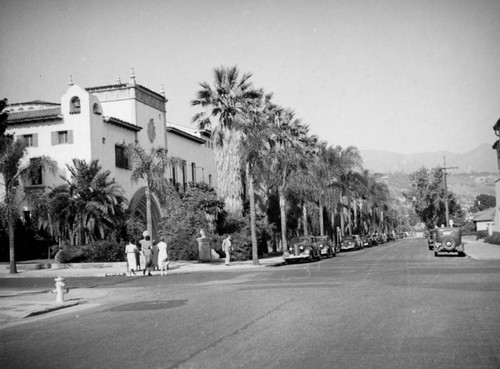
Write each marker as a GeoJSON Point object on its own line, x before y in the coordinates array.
{"type": "Point", "coordinates": [391, 306]}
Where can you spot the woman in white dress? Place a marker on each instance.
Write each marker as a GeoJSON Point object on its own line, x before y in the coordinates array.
{"type": "Point", "coordinates": [131, 251]}
{"type": "Point", "coordinates": [162, 256]}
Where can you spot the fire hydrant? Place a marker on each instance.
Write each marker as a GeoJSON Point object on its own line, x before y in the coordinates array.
{"type": "Point", "coordinates": [59, 289]}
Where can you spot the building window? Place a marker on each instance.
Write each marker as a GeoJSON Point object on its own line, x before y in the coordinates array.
{"type": "Point", "coordinates": [104, 140]}
{"type": "Point", "coordinates": [210, 179]}
{"type": "Point", "coordinates": [121, 157]}
{"type": "Point", "coordinates": [193, 172]}
{"type": "Point", "coordinates": [37, 177]}
{"type": "Point", "coordinates": [62, 137]}
{"type": "Point", "coordinates": [184, 177]}
{"type": "Point", "coordinates": [174, 175]}
{"type": "Point", "coordinates": [75, 107]}
{"type": "Point", "coordinates": [30, 140]}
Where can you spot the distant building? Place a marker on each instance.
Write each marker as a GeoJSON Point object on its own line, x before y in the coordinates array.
{"type": "Point", "coordinates": [97, 123]}
{"type": "Point", "coordinates": [485, 220]}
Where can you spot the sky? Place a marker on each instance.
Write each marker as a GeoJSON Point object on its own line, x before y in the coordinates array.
{"type": "Point", "coordinates": [395, 75]}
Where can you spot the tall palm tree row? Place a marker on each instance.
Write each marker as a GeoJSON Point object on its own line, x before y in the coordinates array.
{"type": "Point", "coordinates": [261, 143]}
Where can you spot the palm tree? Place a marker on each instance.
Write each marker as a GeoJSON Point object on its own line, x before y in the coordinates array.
{"type": "Point", "coordinates": [254, 150]}
{"type": "Point", "coordinates": [85, 208]}
{"type": "Point", "coordinates": [226, 104]}
{"type": "Point", "coordinates": [150, 169]}
{"type": "Point", "coordinates": [288, 149]}
{"type": "Point", "coordinates": [15, 176]}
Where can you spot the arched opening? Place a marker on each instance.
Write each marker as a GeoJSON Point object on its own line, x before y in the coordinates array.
{"type": "Point", "coordinates": [137, 205]}
{"type": "Point", "coordinates": [75, 106]}
{"type": "Point", "coordinates": [96, 109]}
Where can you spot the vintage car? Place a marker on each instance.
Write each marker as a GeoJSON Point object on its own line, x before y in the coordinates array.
{"type": "Point", "coordinates": [302, 248]}
{"type": "Point", "coordinates": [366, 241]}
{"type": "Point", "coordinates": [448, 240]}
{"type": "Point", "coordinates": [352, 242]}
{"type": "Point", "coordinates": [325, 246]}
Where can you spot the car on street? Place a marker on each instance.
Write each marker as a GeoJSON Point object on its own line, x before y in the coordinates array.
{"type": "Point", "coordinates": [448, 240]}
{"type": "Point", "coordinates": [302, 249]}
{"type": "Point", "coordinates": [325, 245]}
{"type": "Point", "coordinates": [352, 242]}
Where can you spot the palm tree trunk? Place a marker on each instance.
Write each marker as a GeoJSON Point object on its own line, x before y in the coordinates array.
{"type": "Point", "coordinates": [253, 217]}
{"type": "Point", "coordinates": [304, 219]}
{"type": "Point", "coordinates": [321, 222]}
{"type": "Point", "coordinates": [149, 220]}
{"type": "Point", "coordinates": [12, 250]}
{"type": "Point", "coordinates": [283, 218]}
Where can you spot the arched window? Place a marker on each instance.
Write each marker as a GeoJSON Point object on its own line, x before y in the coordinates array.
{"type": "Point", "coordinates": [75, 107]}
{"type": "Point", "coordinates": [95, 109]}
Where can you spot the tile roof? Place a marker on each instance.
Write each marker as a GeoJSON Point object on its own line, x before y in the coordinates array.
{"type": "Point", "coordinates": [484, 215]}
{"type": "Point", "coordinates": [34, 102]}
{"type": "Point", "coordinates": [122, 123]}
{"type": "Point", "coordinates": [34, 115]}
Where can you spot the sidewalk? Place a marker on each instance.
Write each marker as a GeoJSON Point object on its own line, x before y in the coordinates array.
{"type": "Point", "coordinates": [479, 250]}
{"type": "Point", "coordinates": [18, 304]}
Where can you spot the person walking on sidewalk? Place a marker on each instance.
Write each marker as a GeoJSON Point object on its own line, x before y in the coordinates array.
{"type": "Point", "coordinates": [162, 256]}
{"type": "Point", "coordinates": [147, 250]}
{"type": "Point", "coordinates": [227, 247]}
{"type": "Point", "coordinates": [131, 250]}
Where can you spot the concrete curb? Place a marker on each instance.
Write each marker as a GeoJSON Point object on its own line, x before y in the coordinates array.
{"type": "Point", "coordinates": [49, 309]}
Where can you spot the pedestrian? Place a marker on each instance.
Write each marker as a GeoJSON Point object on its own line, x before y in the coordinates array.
{"type": "Point", "coordinates": [147, 251]}
{"type": "Point", "coordinates": [131, 250]}
{"type": "Point", "coordinates": [162, 256]}
{"type": "Point", "coordinates": [227, 247]}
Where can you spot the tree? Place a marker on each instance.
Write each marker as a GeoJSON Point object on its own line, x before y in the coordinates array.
{"type": "Point", "coordinates": [15, 176]}
{"type": "Point", "coordinates": [150, 169]}
{"type": "Point", "coordinates": [87, 207]}
{"type": "Point", "coordinates": [427, 196]}
{"type": "Point", "coordinates": [289, 145]}
{"type": "Point", "coordinates": [482, 202]}
{"type": "Point", "coordinates": [226, 105]}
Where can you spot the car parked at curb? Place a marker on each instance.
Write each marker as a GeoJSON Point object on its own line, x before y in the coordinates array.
{"type": "Point", "coordinates": [448, 240]}
{"type": "Point", "coordinates": [352, 242]}
{"type": "Point", "coordinates": [325, 245]}
{"type": "Point", "coordinates": [302, 249]}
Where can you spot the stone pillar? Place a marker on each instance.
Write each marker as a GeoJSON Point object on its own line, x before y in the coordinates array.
{"type": "Point", "coordinates": [204, 249]}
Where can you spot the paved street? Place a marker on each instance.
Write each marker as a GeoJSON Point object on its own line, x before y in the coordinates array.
{"type": "Point", "coordinates": [391, 306]}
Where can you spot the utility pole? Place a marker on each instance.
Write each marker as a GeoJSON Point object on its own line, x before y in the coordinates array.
{"type": "Point", "coordinates": [446, 191]}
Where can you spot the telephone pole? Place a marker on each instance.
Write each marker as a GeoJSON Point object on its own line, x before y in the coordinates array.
{"type": "Point", "coordinates": [446, 191]}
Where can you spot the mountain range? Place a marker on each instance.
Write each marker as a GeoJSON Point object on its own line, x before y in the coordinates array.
{"type": "Point", "coordinates": [480, 160]}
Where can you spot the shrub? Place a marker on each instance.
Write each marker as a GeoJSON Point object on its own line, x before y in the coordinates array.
{"type": "Point", "coordinates": [104, 251]}
{"type": "Point", "coordinates": [493, 239]}
{"type": "Point", "coordinates": [69, 254]}
{"type": "Point", "coordinates": [100, 251]}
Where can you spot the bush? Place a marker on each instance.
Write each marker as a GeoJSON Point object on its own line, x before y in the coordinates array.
{"type": "Point", "coordinates": [100, 251]}
{"type": "Point", "coordinates": [69, 254]}
{"type": "Point", "coordinates": [493, 239]}
{"type": "Point", "coordinates": [104, 251]}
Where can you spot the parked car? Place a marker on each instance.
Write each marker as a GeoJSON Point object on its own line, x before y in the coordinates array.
{"type": "Point", "coordinates": [366, 241]}
{"type": "Point", "coordinates": [325, 246]}
{"type": "Point", "coordinates": [302, 248]}
{"type": "Point", "coordinates": [352, 242]}
{"type": "Point", "coordinates": [448, 240]}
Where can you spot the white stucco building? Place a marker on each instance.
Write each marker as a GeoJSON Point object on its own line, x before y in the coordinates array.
{"type": "Point", "coordinates": [96, 123]}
